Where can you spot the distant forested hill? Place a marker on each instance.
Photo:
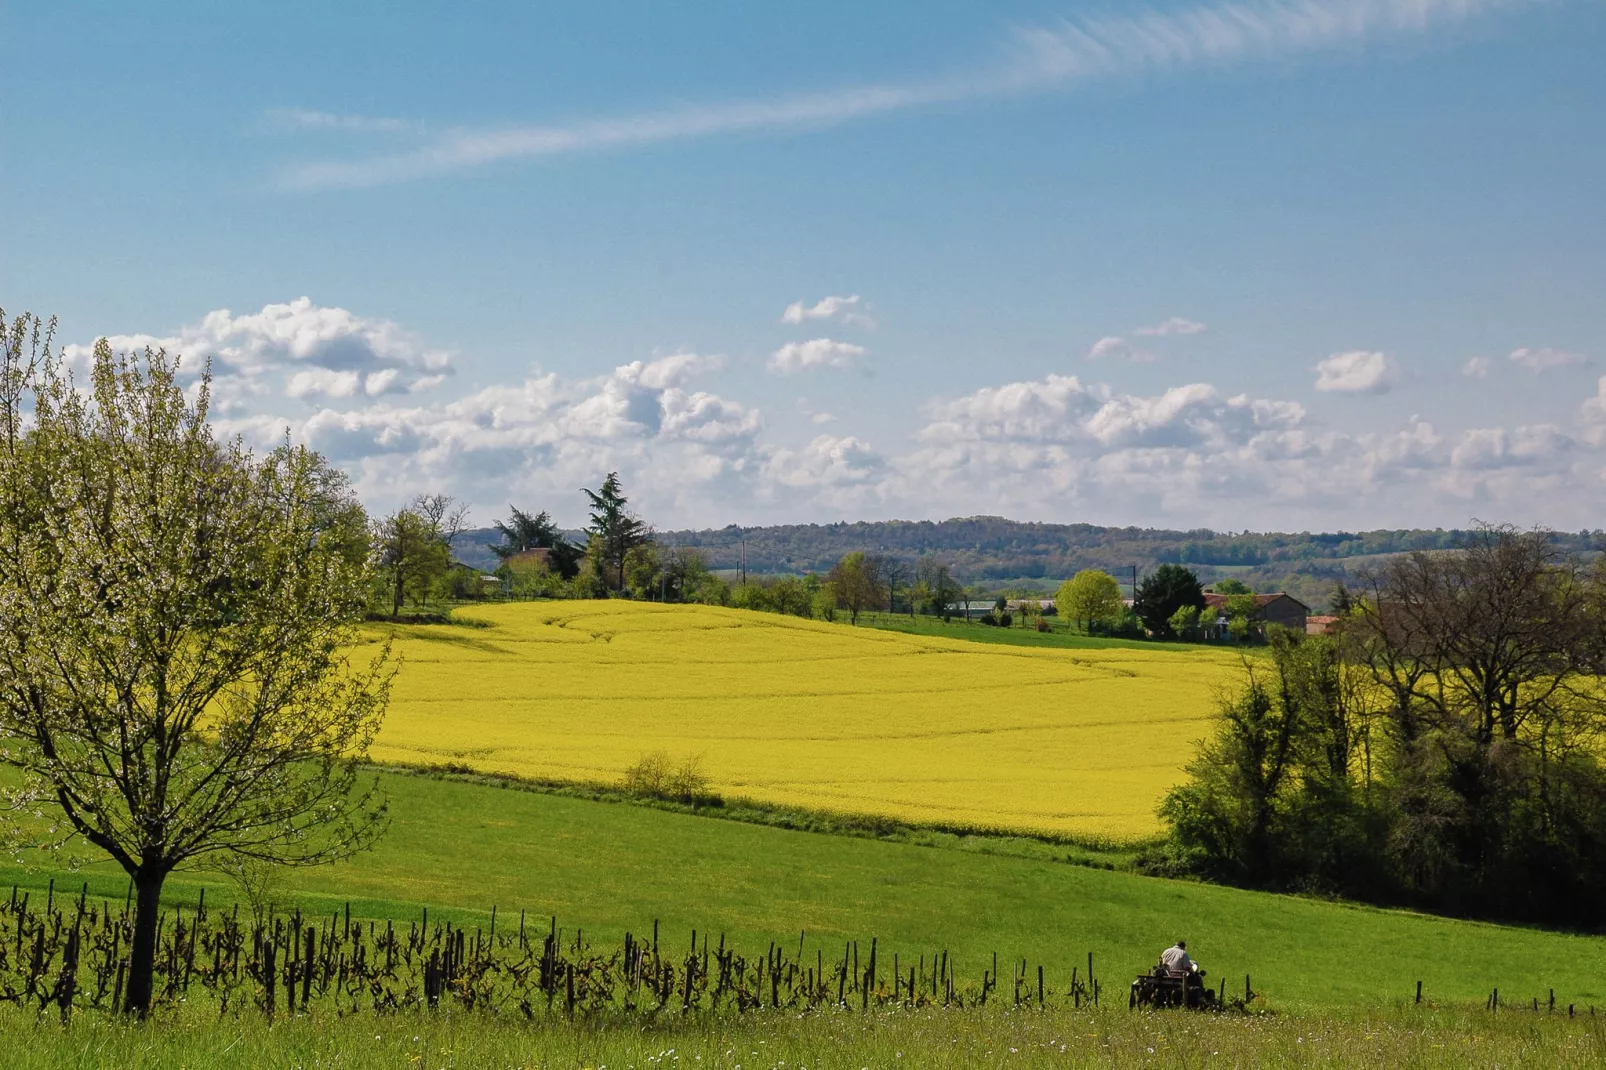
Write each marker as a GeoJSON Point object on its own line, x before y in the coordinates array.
{"type": "Point", "coordinates": [994, 552]}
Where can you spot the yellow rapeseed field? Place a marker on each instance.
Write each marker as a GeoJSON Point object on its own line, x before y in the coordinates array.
{"type": "Point", "coordinates": [800, 712]}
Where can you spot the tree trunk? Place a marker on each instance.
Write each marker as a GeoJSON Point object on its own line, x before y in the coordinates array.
{"type": "Point", "coordinates": [142, 952]}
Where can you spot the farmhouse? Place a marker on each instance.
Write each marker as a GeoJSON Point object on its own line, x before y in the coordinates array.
{"type": "Point", "coordinates": [1279, 608]}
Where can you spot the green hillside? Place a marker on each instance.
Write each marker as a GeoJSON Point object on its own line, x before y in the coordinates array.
{"type": "Point", "coordinates": [460, 848]}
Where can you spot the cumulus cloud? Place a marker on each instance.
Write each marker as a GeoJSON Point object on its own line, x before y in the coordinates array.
{"type": "Point", "coordinates": [1054, 448]}
{"type": "Point", "coordinates": [296, 348]}
{"type": "Point", "coordinates": [1192, 451]}
{"type": "Point", "coordinates": [1174, 325]}
{"type": "Point", "coordinates": [851, 310]}
{"type": "Point", "coordinates": [1543, 359]}
{"type": "Point", "coordinates": [1594, 415]}
{"type": "Point", "coordinates": [1114, 347]}
{"type": "Point", "coordinates": [828, 461]}
{"type": "Point", "coordinates": [1477, 368]}
{"type": "Point", "coordinates": [544, 437]}
{"type": "Point", "coordinates": [1358, 372]}
{"type": "Point", "coordinates": [816, 353]}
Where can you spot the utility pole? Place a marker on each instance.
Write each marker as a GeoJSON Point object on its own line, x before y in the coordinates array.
{"type": "Point", "coordinates": [743, 533]}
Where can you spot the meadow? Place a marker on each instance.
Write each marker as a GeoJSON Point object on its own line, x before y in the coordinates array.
{"type": "Point", "coordinates": [1074, 740]}
{"type": "Point", "coordinates": [1381, 1039]}
{"type": "Point", "coordinates": [458, 849]}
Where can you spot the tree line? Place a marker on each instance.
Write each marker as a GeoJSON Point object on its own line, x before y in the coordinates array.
{"type": "Point", "coordinates": [1442, 749]}
{"type": "Point", "coordinates": [1007, 553]}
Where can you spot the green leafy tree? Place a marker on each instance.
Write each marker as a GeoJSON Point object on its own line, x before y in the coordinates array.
{"type": "Point", "coordinates": [858, 584]}
{"type": "Point", "coordinates": [1163, 592]}
{"type": "Point", "coordinates": [825, 602]}
{"type": "Point", "coordinates": [936, 587]}
{"type": "Point", "coordinates": [1243, 615]}
{"type": "Point", "coordinates": [1231, 586]}
{"type": "Point", "coordinates": [1090, 597]}
{"type": "Point", "coordinates": [409, 556]}
{"type": "Point", "coordinates": [614, 531]}
{"type": "Point", "coordinates": [644, 573]}
{"type": "Point", "coordinates": [1185, 622]}
{"type": "Point", "coordinates": [175, 632]}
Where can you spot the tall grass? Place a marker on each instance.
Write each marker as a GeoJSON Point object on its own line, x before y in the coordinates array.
{"type": "Point", "coordinates": [1391, 1038]}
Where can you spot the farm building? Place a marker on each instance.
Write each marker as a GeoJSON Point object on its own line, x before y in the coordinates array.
{"type": "Point", "coordinates": [1320, 625]}
{"type": "Point", "coordinates": [1042, 605]}
{"type": "Point", "coordinates": [1278, 608]}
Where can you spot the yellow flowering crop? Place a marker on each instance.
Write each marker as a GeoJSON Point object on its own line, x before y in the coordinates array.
{"type": "Point", "coordinates": [800, 712]}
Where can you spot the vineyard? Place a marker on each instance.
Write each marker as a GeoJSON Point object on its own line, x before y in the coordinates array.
{"type": "Point", "coordinates": [1081, 742]}
{"type": "Point", "coordinates": [69, 954]}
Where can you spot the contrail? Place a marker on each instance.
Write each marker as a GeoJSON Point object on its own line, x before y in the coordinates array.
{"type": "Point", "coordinates": [1041, 59]}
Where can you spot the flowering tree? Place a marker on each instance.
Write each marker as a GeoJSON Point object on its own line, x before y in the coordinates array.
{"type": "Point", "coordinates": [175, 617]}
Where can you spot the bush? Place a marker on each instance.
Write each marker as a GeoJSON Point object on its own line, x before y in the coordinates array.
{"type": "Point", "coordinates": [1043, 626]}
{"type": "Point", "coordinates": [655, 777]}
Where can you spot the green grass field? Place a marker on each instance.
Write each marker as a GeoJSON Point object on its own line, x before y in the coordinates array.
{"type": "Point", "coordinates": [1393, 1039]}
{"type": "Point", "coordinates": [607, 867]}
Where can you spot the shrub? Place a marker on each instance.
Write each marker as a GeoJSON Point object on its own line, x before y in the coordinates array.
{"type": "Point", "coordinates": [655, 777]}
{"type": "Point", "coordinates": [649, 776]}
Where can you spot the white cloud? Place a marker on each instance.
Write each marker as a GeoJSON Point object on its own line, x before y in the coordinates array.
{"type": "Point", "coordinates": [1477, 368]}
{"type": "Point", "coordinates": [1358, 372]}
{"type": "Point", "coordinates": [1594, 415]}
{"type": "Point", "coordinates": [1055, 448]}
{"type": "Point", "coordinates": [822, 418]}
{"type": "Point", "coordinates": [1048, 57]}
{"type": "Point", "coordinates": [1114, 347]}
{"type": "Point", "coordinates": [1538, 361]}
{"type": "Point", "coordinates": [545, 436]}
{"type": "Point", "coordinates": [851, 310]}
{"type": "Point", "coordinates": [1487, 448]}
{"type": "Point", "coordinates": [828, 460]}
{"type": "Point", "coordinates": [297, 348]}
{"type": "Point", "coordinates": [816, 353]}
{"type": "Point", "coordinates": [1174, 325]}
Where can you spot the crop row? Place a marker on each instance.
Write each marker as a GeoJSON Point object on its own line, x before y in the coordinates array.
{"type": "Point", "coordinates": [70, 954]}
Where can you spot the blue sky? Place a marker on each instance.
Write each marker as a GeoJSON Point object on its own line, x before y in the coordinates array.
{"type": "Point", "coordinates": [1313, 264]}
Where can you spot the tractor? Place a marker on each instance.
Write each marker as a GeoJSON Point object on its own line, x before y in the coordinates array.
{"type": "Point", "coordinates": [1161, 987]}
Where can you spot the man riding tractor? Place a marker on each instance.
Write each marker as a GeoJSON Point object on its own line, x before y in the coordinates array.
{"type": "Point", "coordinates": [1176, 982]}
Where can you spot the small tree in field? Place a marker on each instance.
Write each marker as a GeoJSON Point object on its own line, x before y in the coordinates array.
{"type": "Point", "coordinates": [1090, 596]}
{"type": "Point", "coordinates": [174, 619]}
{"type": "Point", "coordinates": [858, 584]}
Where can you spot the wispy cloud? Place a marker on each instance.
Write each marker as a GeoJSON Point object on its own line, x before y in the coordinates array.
{"type": "Point", "coordinates": [851, 310]}
{"type": "Point", "coordinates": [1114, 347]}
{"type": "Point", "coordinates": [1543, 359]}
{"type": "Point", "coordinates": [1173, 325]}
{"type": "Point", "coordinates": [1040, 58]}
{"type": "Point", "coordinates": [306, 119]}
